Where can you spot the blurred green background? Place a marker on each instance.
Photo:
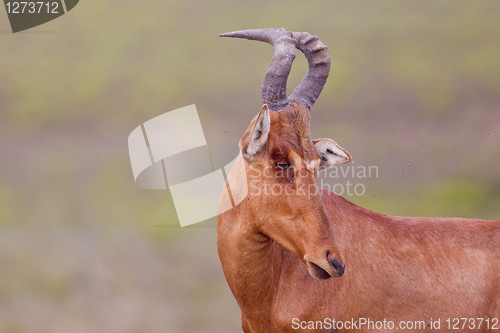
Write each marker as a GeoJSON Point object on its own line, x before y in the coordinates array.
{"type": "Point", "coordinates": [414, 90]}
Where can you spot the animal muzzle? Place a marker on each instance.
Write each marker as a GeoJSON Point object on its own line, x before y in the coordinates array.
{"type": "Point", "coordinates": [325, 267]}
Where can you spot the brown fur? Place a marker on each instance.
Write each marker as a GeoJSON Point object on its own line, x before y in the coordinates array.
{"type": "Point", "coordinates": [397, 268]}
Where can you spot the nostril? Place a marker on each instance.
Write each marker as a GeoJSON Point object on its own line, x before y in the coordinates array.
{"type": "Point", "coordinates": [338, 266]}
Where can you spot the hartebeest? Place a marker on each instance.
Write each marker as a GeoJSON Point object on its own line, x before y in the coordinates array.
{"type": "Point", "coordinates": [278, 249]}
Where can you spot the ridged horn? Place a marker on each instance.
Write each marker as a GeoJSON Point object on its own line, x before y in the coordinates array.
{"type": "Point", "coordinates": [284, 44]}
{"type": "Point", "coordinates": [274, 86]}
{"type": "Point", "coordinates": [318, 58]}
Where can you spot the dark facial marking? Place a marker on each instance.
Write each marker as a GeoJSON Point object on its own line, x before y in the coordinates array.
{"type": "Point", "coordinates": [329, 151]}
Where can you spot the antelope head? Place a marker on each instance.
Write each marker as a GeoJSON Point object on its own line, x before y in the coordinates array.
{"type": "Point", "coordinates": [282, 162]}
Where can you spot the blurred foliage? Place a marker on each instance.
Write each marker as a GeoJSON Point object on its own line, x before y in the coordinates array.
{"type": "Point", "coordinates": [8, 205]}
{"type": "Point", "coordinates": [457, 198]}
{"type": "Point", "coordinates": [414, 90]}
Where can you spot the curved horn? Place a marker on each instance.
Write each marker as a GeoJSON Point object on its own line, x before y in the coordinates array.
{"type": "Point", "coordinates": [318, 58]}
{"type": "Point", "coordinates": [284, 43]}
{"type": "Point", "coordinates": [274, 86]}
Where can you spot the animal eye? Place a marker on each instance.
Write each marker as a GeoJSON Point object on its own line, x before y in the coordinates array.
{"type": "Point", "coordinates": [282, 165]}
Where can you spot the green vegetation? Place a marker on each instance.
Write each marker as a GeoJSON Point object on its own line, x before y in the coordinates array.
{"type": "Point", "coordinates": [414, 91]}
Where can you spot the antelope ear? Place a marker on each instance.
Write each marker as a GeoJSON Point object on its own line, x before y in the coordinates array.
{"type": "Point", "coordinates": [330, 153]}
{"type": "Point", "coordinates": [253, 141]}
